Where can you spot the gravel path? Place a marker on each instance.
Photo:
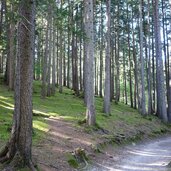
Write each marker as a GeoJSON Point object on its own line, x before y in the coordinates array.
{"type": "Point", "coordinates": [151, 156]}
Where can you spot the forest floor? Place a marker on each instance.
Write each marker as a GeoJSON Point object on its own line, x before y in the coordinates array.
{"type": "Point", "coordinates": [147, 155]}
{"type": "Point", "coordinates": [58, 132]}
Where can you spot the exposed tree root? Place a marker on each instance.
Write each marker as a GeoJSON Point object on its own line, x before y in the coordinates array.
{"type": "Point", "coordinates": [4, 150]}
{"type": "Point", "coordinates": [3, 159]}
{"type": "Point", "coordinates": [13, 160]}
{"type": "Point", "coordinates": [31, 166]}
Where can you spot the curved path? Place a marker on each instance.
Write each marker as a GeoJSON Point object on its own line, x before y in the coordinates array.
{"type": "Point", "coordinates": [150, 156]}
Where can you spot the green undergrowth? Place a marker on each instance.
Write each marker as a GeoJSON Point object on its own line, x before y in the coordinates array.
{"type": "Point", "coordinates": [123, 121]}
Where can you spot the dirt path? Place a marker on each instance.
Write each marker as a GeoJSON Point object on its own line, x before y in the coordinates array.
{"type": "Point", "coordinates": [63, 138]}
{"type": "Point", "coordinates": [151, 156]}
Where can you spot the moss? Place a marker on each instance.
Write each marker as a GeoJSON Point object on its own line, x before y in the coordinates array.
{"type": "Point", "coordinates": [72, 160]}
{"type": "Point", "coordinates": [96, 148]}
{"type": "Point", "coordinates": [80, 155]}
{"type": "Point", "coordinates": [66, 106]}
{"type": "Point", "coordinates": [81, 122]}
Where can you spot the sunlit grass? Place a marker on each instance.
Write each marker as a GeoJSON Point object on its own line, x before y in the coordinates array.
{"type": "Point", "coordinates": [68, 107]}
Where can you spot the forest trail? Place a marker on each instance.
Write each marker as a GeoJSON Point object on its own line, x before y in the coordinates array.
{"type": "Point", "coordinates": [150, 156]}
{"type": "Point", "coordinates": [63, 138]}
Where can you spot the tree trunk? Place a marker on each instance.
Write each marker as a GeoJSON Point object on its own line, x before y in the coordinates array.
{"type": "Point", "coordinates": [45, 58]}
{"type": "Point", "coordinates": [11, 52]}
{"type": "Point", "coordinates": [69, 36]}
{"type": "Point", "coordinates": [50, 55]}
{"type": "Point", "coordinates": [106, 105]}
{"type": "Point", "coordinates": [54, 60]}
{"type": "Point", "coordinates": [142, 92]}
{"type": "Point", "coordinates": [101, 51]}
{"type": "Point", "coordinates": [19, 146]}
{"type": "Point", "coordinates": [125, 79]}
{"type": "Point", "coordinates": [153, 75]}
{"type": "Point", "coordinates": [169, 78]}
{"type": "Point", "coordinates": [149, 64]}
{"type": "Point", "coordinates": [117, 76]}
{"type": "Point", "coordinates": [60, 57]}
{"type": "Point", "coordinates": [89, 61]}
{"type": "Point", "coordinates": [161, 101]}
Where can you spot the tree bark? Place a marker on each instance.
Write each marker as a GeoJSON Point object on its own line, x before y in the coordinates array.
{"type": "Point", "coordinates": [142, 106]}
{"type": "Point", "coordinates": [101, 51]}
{"type": "Point", "coordinates": [60, 56]}
{"type": "Point", "coordinates": [161, 101]}
{"type": "Point", "coordinates": [49, 75]}
{"type": "Point", "coordinates": [54, 60]}
{"type": "Point", "coordinates": [106, 105]}
{"type": "Point", "coordinates": [19, 146]}
{"type": "Point", "coordinates": [89, 61]}
{"type": "Point", "coordinates": [45, 59]}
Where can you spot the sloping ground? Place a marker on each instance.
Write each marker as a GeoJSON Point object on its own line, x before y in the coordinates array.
{"type": "Point", "coordinates": [57, 132]}
{"type": "Point", "coordinates": [63, 138]}
{"type": "Point", "coordinates": [151, 155]}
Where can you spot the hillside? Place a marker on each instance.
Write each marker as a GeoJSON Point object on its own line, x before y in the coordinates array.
{"type": "Point", "coordinates": [59, 128]}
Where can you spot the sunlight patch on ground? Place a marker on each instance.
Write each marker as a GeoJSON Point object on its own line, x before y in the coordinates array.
{"type": "Point", "coordinates": [148, 154]}
{"type": "Point", "coordinates": [6, 107]}
{"type": "Point", "coordinates": [39, 112]}
{"type": "Point", "coordinates": [3, 98]}
{"type": "Point", "coordinates": [159, 163]}
{"type": "Point", "coordinates": [53, 114]}
{"type": "Point", "coordinates": [73, 139]}
{"type": "Point", "coordinates": [40, 126]}
{"type": "Point", "coordinates": [9, 104]}
{"type": "Point", "coordinates": [140, 168]}
{"type": "Point", "coordinates": [68, 117]}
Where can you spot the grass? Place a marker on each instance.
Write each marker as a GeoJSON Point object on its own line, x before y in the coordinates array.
{"type": "Point", "coordinates": [123, 119]}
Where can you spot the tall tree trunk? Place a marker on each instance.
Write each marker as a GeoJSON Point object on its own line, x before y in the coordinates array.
{"type": "Point", "coordinates": [54, 60]}
{"type": "Point", "coordinates": [125, 80]}
{"type": "Point", "coordinates": [117, 76]}
{"type": "Point", "coordinates": [101, 51]}
{"type": "Point", "coordinates": [161, 101]}
{"type": "Point", "coordinates": [106, 106]}
{"type": "Point", "coordinates": [19, 146]}
{"type": "Point", "coordinates": [64, 64]}
{"type": "Point", "coordinates": [89, 61]}
{"type": "Point", "coordinates": [11, 51]}
{"type": "Point", "coordinates": [60, 57]}
{"type": "Point", "coordinates": [112, 72]}
{"type": "Point", "coordinates": [81, 38]}
{"type": "Point", "coordinates": [49, 75]}
{"type": "Point", "coordinates": [149, 64]}
{"type": "Point", "coordinates": [38, 63]}
{"type": "Point", "coordinates": [3, 2]}
{"type": "Point", "coordinates": [69, 37]}
{"type": "Point", "coordinates": [135, 71]}
{"type": "Point", "coordinates": [130, 63]}
{"type": "Point", "coordinates": [81, 85]}
{"type": "Point", "coordinates": [45, 58]}
{"type": "Point", "coordinates": [57, 60]}
{"type": "Point", "coordinates": [142, 93]}
{"type": "Point", "coordinates": [169, 77]}
{"type": "Point", "coordinates": [153, 75]}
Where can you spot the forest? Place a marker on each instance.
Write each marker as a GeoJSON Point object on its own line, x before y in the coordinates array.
{"type": "Point", "coordinates": [81, 78]}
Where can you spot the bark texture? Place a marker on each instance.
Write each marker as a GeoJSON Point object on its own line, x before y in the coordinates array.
{"type": "Point", "coordinates": [161, 100]}
{"type": "Point", "coordinates": [18, 149]}
{"type": "Point", "coordinates": [107, 65]}
{"type": "Point", "coordinates": [89, 61]}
